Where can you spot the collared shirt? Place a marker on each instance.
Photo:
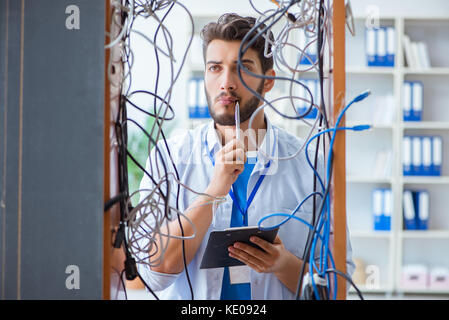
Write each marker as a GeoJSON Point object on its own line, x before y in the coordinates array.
{"type": "Point", "coordinates": [286, 184]}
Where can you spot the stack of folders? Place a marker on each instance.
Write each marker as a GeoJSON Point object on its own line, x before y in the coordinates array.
{"type": "Point", "coordinates": [309, 56]}
{"type": "Point", "coordinates": [302, 106]}
{"type": "Point", "coordinates": [380, 47]}
{"type": "Point", "coordinates": [198, 107]}
{"type": "Point", "coordinates": [422, 155]}
{"type": "Point", "coordinates": [416, 209]}
{"type": "Point", "coordinates": [382, 209]}
{"type": "Point", "coordinates": [416, 53]}
{"type": "Point", "coordinates": [413, 100]}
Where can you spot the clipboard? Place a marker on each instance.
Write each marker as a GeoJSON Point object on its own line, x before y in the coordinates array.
{"type": "Point", "coordinates": [216, 254]}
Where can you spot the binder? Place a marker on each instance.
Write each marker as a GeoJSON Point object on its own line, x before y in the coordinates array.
{"type": "Point", "coordinates": [381, 47]}
{"type": "Point", "coordinates": [371, 47]}
{"type": "Point", "coordinates": [422, 205]}
{"type": "Point", "coordinates": [203, 110]}
{"type": "Point", "coordinates": [311, 51]}
{"type": "Point", "coordinates": [314, 88]}
{"type": "Point", "coordinates": [409, 211]}
{"type": "Point", "coordinates": [437, 151]}
{"type": "Point", "coordinates": [416, 156]}
{"type": "Point", "coordinates": [192, 98]}
{"type": "Point", "coordinates": [407, 106]}
{"type": "Point", "coordinates": [426, 155]}
{"type": "Point", "coordinates": [417, 100]}
{"type": "Point", "coordinates": [377, 206]}
{"type": "Point", "coordinates": [390, 46]}
{"type": "Point", "coordinates": [407, 155]}
{"type": "Point", "coordinates": [387, 210]}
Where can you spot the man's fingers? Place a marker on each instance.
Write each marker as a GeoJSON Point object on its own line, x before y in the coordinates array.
{"type": "Point", "coordinates": [268, 247]}
{"type": "Point", "coordinates": [235, 157]}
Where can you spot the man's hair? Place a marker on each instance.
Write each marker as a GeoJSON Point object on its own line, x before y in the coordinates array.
{"type": "Point", "coordinates": [231, 27]}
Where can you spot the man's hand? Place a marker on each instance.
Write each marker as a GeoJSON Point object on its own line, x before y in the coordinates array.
{"type": "Point", "coordinates": [229, 163]}
{"type": "Point", "coordinates": [274, 258]}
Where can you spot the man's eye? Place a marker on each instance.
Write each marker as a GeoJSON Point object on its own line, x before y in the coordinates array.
{"type": "Point", "coordinates": [213, 68]}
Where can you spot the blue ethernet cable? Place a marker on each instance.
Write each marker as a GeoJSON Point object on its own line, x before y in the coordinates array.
{"type": "Point", "coordinates": [323, 263]}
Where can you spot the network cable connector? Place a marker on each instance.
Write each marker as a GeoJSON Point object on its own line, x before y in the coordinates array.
{"type": "Point", "coordinates": [308, 292]}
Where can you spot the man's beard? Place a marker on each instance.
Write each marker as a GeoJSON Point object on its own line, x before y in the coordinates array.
{"type": "Point", "coordinates": [245, 111]}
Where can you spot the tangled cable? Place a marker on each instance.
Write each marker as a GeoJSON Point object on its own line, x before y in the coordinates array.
{"type": "Point", "coordinates": [301, 46]}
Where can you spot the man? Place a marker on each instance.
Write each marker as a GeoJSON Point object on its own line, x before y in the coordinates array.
{"type": "Point", "coordinates": [211, 161]}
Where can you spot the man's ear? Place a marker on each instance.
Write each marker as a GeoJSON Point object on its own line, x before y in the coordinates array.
{"type": "Point", "coordinates": [269, 83]}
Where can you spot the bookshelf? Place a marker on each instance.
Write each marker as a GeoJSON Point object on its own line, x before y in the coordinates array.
{"type": "Point", "coordinates": [388, 250]}
{"type": "Point", "coordinates": [392, 250]}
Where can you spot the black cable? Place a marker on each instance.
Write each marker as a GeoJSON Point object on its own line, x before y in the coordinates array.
{"type": "Point", "coordinates": [348, 279]}
{"type": "Point", "coordinates": [240, 66]}
{"type": "Point", "coordinates": [168, 149]}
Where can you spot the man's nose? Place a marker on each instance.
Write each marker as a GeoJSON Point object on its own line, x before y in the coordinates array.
{"type": "Point", "coordinates": [229, 81]}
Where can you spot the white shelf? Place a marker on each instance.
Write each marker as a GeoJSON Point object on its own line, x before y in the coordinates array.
{"type": "Point", "coordinates": [425, 125]}
{"type": "Point", "coordinates": [432, 71]}
{"type": "Point", "coordinates": [376, 180]}
{"type": "Point", "coordinates": [371, 234]}
{"type": "Point", "coordinates": [422, 291]}
{"type": "Point", "coordinates": [425, 180]}
{"type": "Point", "coordinates": [424, 234]}
{"type": "Point", "coordinates": [370, 70]}
{"type": "Point", "coordinates": [364, 289]}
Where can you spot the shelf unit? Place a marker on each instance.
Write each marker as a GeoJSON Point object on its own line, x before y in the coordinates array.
{"type": "Point", "coordinates": [404, 246]}
{"type": "Point", "coordinates": [388, 250]}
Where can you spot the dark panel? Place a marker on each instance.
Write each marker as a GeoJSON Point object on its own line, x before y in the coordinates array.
{"type": "Point", "coordinates": [62, 162]}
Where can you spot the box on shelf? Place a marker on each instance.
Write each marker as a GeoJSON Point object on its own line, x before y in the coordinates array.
{"type": "Point", "coordinates": [439, 278]}
{"type": "Point", "coordinates": [414, 276]}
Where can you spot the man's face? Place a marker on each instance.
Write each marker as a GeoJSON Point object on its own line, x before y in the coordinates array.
{"type": "Point", "coordinates": [222, 84]}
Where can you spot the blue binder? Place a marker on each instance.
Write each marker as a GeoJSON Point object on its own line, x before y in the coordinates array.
{"type": "Point", "coordinates": [437, 152]}
{"type": "Point", "coordinates": [192, 98]}
{"type": "Point", "coordinates": [391, 46]}
{"type": "Point", "coordinates": [426, 143]}
{"type": "Point", "coordinates": [302, 106]}
{"type": "Point", "coordinates": [416, 156]}
{"type": "Point", "coordinates": [422, 204]}
{"type": "Point", "coordinates": [380, 46]}
{"type": "Point", "coordinates": [371, 47]}
{"type": "Point", "coordinates": [377, 208]}
{"type": "Point", "coordinates": [417, 100]}
{"type": "Point", "coordinates": [409, 211]}
{"type": "Point", "coordinates": [413, 100]}
{"type": "Point", "coordinates": [382, 207]}
{"type": "Point", "coordinates": [407, 155]}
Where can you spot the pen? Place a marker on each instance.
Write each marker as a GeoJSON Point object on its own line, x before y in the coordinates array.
{"type": "Point", "coordinates": [237, 120]}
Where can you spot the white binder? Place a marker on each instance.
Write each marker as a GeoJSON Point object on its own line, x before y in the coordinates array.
{"type": "Point", "coordinates": [437, 150]}
{"type": "Point", "coordinates": [381, 46]}
{"type": "Point", "coordinates": [423, 209]}
{"type": "Point", "coordinates": [417, 155]}
{"type": "Point", "coordinates": [371, 46]}
{"type": "Point", "coordinates": [426, 154]}
{"type": "Point", "coordinates": [409, 211]}
{"type": "Point", "coordinates": [192, 98]}
{"type": "Point", "coordinates": [407, 106]}
{"type": "Point", "coordinates": [407, 154]}
{"type": "Point", "coordinates": [417, 100]}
